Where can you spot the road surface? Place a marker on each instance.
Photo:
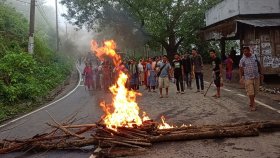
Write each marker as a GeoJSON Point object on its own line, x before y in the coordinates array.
{"type": "Point", "coordinates": [188, 108]}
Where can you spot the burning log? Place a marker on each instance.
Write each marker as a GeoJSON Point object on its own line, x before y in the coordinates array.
{"type": "Point", "coordinates": [133, 139]}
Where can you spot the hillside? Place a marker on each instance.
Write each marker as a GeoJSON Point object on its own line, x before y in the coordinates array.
{"type": "Point", "coordinates": [25, 79]}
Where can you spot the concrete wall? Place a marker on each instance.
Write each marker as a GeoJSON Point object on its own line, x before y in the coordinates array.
{"type": "Point", "coordinates": [230, 8]}
{"type": "Point", "coordinates": [222, 11]}
{"type": "Point", "coordinates": [259, 6]}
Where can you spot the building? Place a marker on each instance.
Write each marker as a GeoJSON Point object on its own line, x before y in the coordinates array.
{"type": "Point", "coordinates": [256, 23]}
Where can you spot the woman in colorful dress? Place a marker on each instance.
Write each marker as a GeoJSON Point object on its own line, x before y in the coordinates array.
{"type": "Point", "coordinates": [151, 75]}
{"type": "Point", "coordinates": [88, 76]}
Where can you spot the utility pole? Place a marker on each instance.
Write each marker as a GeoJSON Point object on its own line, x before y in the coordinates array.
{"type": "Point", "coordinates": [31, 27]}
{"type": "Point", "coordinates": [57, 35]}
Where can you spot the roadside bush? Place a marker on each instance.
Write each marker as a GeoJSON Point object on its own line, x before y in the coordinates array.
{"type": "Point", "coordinates": [17, 70]}
{"type": "Point", "coordinates": [25, 79]}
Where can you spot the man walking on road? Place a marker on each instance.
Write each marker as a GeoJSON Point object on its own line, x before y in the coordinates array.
{"type": "Point", "coordinates": [250, 72]}
{"type": "Point", "coordinates": [178, 73]}
{"type": "Point", "coordinates": [217, 72]}
{"type": "Point", "coordinates": [197, 70]}
{"type": "Point", "coordinates": [164, 73]}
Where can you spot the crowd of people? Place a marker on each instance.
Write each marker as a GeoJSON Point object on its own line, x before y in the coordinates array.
{"type": "Point", "coordinates": [152, 73]}
{"type": "Point", "coordinates": [157, 72]}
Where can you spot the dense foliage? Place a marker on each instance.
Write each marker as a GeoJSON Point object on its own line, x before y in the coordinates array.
{"type": "Point", "coordinates": [25, 77]}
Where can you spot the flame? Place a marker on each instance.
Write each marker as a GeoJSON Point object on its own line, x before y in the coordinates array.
{"type": "Point", "coordinates": [165, 125]}
{"type": "Point", "coordinates": [145, 117]}
{"type": "Point", "coordinates": [186, 125]}
{"type": "Point", "coordinates": [107, 50]}
{"type": "Point", "coordinates": [124, 111]}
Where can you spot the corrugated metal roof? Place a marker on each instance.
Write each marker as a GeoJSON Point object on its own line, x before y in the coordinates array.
{"type": "Point", "coordinates": [261, 22]}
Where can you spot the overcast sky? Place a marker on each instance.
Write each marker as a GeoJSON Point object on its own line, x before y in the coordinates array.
{"type": "Point", "coordinates": [61, 9]}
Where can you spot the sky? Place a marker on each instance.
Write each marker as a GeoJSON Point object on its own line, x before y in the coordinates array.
{"type": "Point", "coordinates": [83, 36]}
{"type": "Point", "coordinates": [61, 9]}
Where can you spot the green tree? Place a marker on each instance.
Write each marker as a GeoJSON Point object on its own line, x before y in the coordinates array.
{"type": "Point", "coordinates": [168, 22]}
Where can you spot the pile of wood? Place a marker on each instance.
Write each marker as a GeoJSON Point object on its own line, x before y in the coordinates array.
{"type": "Point", "coordinates": [270, 90]}
{"type": "Point", "coordinates": [125, 141]}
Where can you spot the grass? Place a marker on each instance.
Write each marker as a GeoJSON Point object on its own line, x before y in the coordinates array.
{"type": "Point", "coordinates": [11, 111]}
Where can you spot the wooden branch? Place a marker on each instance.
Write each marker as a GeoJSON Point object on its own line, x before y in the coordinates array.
{"type": "Point", "coordinates": [67, 131]}
{"type": "Point", "coordinates": [65, 144]}
{"type": "Point", "coordinates": [134, 133]}
{"type": "Point", "coordinates": [134, 138]}
{"type": "Point", "coordinates": [119, 139]}
{"type": "Point", "coordinates": [121, 143]}
{"type": "Point", "coordinates": [217, 133]}
{"type": "Point", "coordinates": [11, 148]}
{"type": "Point", "coordinates": [120, 133]}
{"type": "Point", "coordinates": [133, 130]}
{"type": "Point", "coordinates": [79, 126]}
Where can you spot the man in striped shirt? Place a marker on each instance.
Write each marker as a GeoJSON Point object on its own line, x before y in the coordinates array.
{"type": "Point", "coordinates": [250, 72]}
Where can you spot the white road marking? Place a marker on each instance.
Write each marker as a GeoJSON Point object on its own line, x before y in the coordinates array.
{"type": "Point", "coordinates": [241, 95]}
{"type": "Point", "coordinates": [267, 106]}
{"type": "Point", "coordinates": [12, 121]}
{"type": "Point", "coordinates": [227, 90]}
{"type": "Point", "coordinates": [262, 104]}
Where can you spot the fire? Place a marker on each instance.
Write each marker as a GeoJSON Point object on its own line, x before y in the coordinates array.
{"type": "Point", "coordinates": [124, 111]}
{"type": "Point", "coordinates": [107, 50]}
{"type": "Point", "coordinates": [145, 116]}
{"type": "Point", "coordinates": [165, 125]}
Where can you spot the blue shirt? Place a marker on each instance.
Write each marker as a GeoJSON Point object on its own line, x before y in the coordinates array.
{"type": "Point", "coordinates": [165, 70]}
{"type": "Point", "coordinates": [250, 66]}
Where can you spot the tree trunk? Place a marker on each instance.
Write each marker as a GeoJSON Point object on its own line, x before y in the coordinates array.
{"type": "Point", "coordinates": [170, 50]}
{"type": "Point", "coordinates": [171, 47]}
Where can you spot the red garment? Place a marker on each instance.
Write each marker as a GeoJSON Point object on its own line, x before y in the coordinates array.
{"type": "Point", "coordinates": [229, 63]}
{"type": "Point", "coordinates": [88, 73]}
{"type": "Point", "coordinates": [106, 71]}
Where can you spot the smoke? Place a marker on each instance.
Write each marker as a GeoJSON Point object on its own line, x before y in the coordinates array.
{"type": "Point", "coordinates": [119, 25]}
{"type": "Point", "coordinates": [75, 41]}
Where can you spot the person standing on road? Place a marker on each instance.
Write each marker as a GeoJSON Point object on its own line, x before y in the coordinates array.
{"type": "Point", "coordinates": [217, 72]}
{"type": "Point", "coordinates": [229, 67]}
{"type": "Point", "coordinates": [88, 76]}
{"type": "Point", "coordinates": [106, 75]}
{"type": "Point", "coordinates": [100, 76]}
{"type": "Point", "coordinates": [250, 73]}
{"type": "Point", "coordinates": [187, 65]}
{"type": "Point", "coordinates": [164, 75]}
{"type": "Point", "coordinates": [141, 72]}
{"type": "Point", "coordinates": [133, 75]}
{"type": "Point", "coordinates": [197, 64]}
{"type": "Point", "coordinates": [177, 65]}
{"type": "Point", "coordinates": [151, 76]}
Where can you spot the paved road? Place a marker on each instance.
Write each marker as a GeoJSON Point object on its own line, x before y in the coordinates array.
{"type": "Point", "coordinates": [188, 108]}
